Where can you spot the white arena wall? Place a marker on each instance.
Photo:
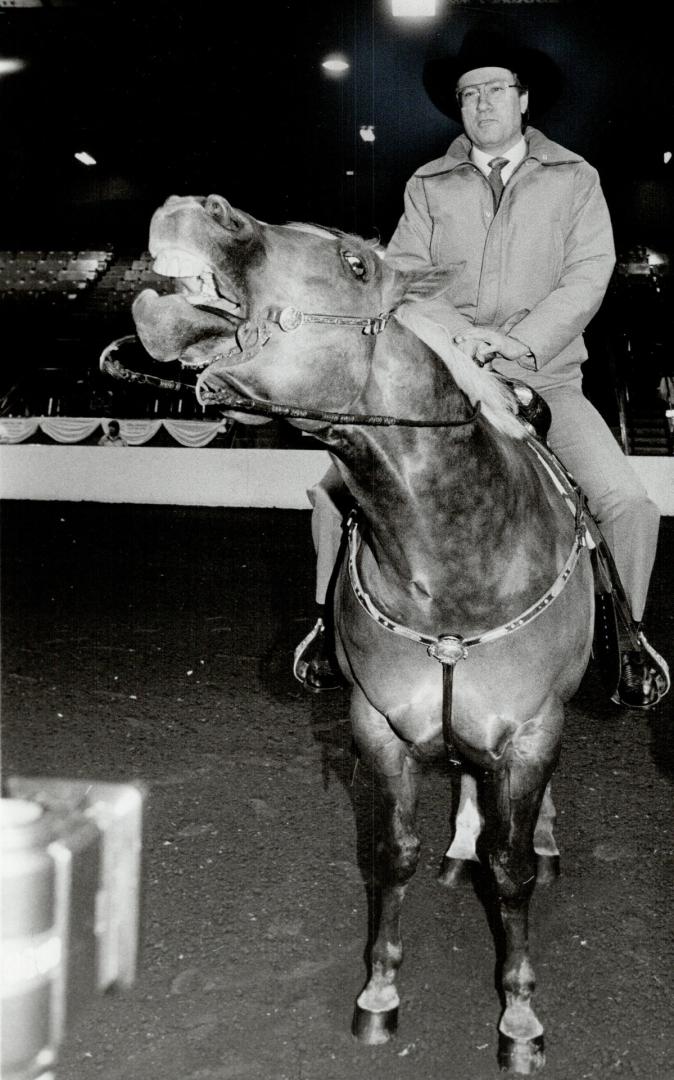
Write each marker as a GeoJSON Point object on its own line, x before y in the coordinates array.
{"type": "Point", "coordinates": [171, 476]}
{"type": "Point", "coordinates": [179, 476]}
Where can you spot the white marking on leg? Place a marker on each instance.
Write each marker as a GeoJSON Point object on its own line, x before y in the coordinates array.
{"type": "Point", "coordinates": [544, 841]}
{"type": "Point", "coordinates": [469, 822]}
{"type": "Point", "coordinates": [378, 996]}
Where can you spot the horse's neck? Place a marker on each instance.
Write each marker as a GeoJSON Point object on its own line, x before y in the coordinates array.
{"type": "Point", "coordinates": [458, 533]}
{"type": "Point", "coordinates": [455, 516]}
{"type": "Point", "coordinates": [416, 467]}
{"type": "Point", "coordinates": [399, 475]}
{"type": "Point", "coordinates": [407, 378]}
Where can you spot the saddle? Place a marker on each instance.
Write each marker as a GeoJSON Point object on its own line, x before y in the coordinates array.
{"type": "Point", "coordinates": [532, 409]}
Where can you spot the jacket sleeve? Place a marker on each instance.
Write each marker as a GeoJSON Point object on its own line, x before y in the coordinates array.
{"type": "Point", "coordinates": [589, 258]}
{"type": "Point", "coordinates": [410, 249]}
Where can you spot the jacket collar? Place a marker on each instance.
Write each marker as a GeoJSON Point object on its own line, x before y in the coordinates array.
{"type": "Point", "coordinates": [541, 149]}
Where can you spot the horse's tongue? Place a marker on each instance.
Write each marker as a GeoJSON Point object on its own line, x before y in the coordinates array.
{"type": "Point", "coordinates": [168, 325]}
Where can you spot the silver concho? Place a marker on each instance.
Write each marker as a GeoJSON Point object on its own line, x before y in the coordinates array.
{"type": "Point", "coordinates": [290, 318]}
{"type": "Point", "coordinates": [448, 649]}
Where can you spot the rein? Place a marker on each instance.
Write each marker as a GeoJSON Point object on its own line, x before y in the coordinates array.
{"type": "Point", "coordinates": [292, 412]}
{"type": "Point", "coordinates": [250, 339]}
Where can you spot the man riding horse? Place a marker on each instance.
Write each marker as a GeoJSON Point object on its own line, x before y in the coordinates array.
{"type": "Point", "coordinates": [522, 225]}
{"type": "Point", "coordinates": [462, 555]}
{"type": "Point", "coordinates": [463, 615]}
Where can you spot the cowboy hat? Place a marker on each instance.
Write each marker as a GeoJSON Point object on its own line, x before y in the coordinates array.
{"type": "Point", "coordinates": [535, 70]}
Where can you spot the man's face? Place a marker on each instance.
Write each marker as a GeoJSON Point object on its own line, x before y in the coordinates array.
{"type": "Point", "coordinates": [492, 123]}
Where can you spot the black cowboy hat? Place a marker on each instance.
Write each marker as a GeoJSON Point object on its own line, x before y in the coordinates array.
{"type": "Point", "coordinates": [489, 48]}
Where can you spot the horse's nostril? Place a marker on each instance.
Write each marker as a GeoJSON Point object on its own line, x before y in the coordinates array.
{"type": "Point", "coordinates": [219, 209]}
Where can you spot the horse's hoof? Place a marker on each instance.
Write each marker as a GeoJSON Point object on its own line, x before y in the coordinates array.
{"type": "Point", "coordinates": [453, 872]}
{"type": "Point", "coordinates": [522, 1056]}
{"type": "Point", "coordinates": [374, 1028]}
{"type": "Point", "coordinates": [547, 869]}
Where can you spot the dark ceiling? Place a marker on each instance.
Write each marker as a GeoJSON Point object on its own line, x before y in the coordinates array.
{"type": "Point", "coordinates": [230, 97]}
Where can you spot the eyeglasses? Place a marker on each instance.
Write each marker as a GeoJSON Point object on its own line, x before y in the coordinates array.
{"type": "Point", "coordinates": [493, 92]}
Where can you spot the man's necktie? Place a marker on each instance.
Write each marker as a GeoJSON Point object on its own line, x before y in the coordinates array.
{"type": "Point", "coordinates": [494, 178]}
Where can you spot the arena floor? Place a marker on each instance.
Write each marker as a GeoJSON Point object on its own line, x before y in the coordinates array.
{"type": "Point", "coordinates": [154, 644]}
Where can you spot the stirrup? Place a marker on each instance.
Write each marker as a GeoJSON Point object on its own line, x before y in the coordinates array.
{"type": "Point", "coordinates": [312, 666]}
{"type": "Point", "coordinates": [647, 689]}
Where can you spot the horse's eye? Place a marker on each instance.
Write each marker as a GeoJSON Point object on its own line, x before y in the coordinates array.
{"type": "Point", "coordinates": [355, 264]}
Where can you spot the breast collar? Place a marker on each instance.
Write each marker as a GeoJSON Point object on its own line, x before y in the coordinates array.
{"type": "Point", "coordinates": [448, 649]}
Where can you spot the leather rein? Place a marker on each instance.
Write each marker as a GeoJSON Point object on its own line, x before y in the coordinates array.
{"type": "Point", "coordinates": [250, 338]}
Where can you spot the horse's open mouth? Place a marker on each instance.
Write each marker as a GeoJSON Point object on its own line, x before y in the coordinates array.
{"type": "Point", "coordinates": [198, 283]}
{"type": "Point", "coordinates": [218, 309]}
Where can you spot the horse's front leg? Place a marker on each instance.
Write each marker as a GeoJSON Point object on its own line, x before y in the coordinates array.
{"type": "Point", "coordinates": [513, 795]}
{"type": "Point", "coordinates": [376, 1011]}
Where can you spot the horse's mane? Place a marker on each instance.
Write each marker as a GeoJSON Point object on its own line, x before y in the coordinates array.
{"type": "Point", "coordinates": [498, 402]}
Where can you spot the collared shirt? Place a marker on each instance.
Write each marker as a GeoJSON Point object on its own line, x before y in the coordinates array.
{"type": "Point", "coordinates": [517, 153]}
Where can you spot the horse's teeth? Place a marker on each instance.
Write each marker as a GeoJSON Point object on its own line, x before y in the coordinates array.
{"type": "Point", "coordinates": [208, 285]}
{"type": "Point", "coordinates": [177, 264]}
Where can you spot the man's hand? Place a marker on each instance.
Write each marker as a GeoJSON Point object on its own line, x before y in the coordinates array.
{"type": "Point", "coordinates": [483, 343]}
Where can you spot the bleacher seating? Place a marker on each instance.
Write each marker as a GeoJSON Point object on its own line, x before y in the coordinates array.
{"type": "Point", "coordinates": [49, 275]}
{"type": "Point", "coordinates": [100, 279]}
{"type": "Point", "coordinates": [60, 308]}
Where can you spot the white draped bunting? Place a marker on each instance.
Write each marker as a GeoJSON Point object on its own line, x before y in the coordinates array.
{"type": "Point", "coordinates": [16, 429]}
{"type": "Point", "coordinates": [72, 429]}
{"type": "Point", "coordinates": [68, 429]}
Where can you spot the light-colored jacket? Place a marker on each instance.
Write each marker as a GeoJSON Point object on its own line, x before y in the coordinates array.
{"type": "Point", "coordinates": [543, 261]}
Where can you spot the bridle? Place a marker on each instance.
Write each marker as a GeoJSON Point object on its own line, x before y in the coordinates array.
{"type": "Point", "coordinates": [249, 339]}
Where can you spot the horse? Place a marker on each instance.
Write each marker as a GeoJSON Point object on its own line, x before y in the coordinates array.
{"type": "Point", "coordinates": [463, 614]}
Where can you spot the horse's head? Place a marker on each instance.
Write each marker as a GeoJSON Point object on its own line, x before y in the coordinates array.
{"type": "Point", "coordinates": [242, 289]}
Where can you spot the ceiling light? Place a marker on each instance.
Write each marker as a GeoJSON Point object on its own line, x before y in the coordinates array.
{"type": "Point", "coordinates": [336, 65]}
{"type": "Point", "coordinates": [412, 8]}
{"type": "Point", "coordinates": [9, 66]}
{"type": "Point", "coordinates": [85, 158]}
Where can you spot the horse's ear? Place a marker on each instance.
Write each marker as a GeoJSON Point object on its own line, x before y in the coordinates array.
{"type": "Point", "coordinates": [423, 284]}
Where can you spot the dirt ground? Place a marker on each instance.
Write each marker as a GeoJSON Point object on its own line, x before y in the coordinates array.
{"type": "Point", "coordinates": [155, 644]}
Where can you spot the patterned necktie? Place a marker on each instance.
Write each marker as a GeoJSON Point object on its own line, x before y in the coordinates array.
{"type": "Point", "coordinates": [494, 178]}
